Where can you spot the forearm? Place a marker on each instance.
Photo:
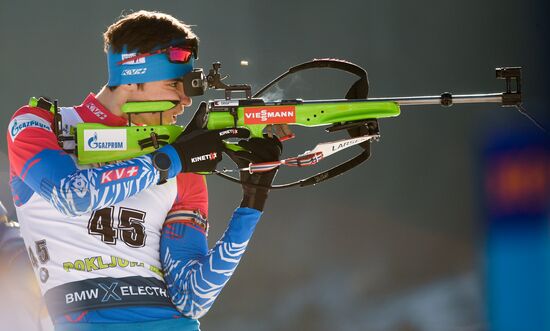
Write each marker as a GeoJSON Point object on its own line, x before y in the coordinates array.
{"type": "Point", "coordinates": [196, 276]}
{"type": "Point", "coordinates": [72, 191]}
{"type": "Point", "coordinates": [38, 165]}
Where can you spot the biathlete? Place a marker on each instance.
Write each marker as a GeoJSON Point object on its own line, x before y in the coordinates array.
{"type": "Point", "coordinates": [123, 245]}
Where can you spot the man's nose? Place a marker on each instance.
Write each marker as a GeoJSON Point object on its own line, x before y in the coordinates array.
{"type": "Point", "coordinates": [186, 101]}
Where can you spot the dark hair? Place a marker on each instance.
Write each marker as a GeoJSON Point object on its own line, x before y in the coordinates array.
{"type": "Point", "coordinates": [144, 30]}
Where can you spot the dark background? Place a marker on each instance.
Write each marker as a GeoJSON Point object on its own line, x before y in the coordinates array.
{"type": "Point", "coordinates": [393, 245]}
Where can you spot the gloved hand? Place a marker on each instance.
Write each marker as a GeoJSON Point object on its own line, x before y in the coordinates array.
{"type": "Point", "coordinates": [199, 119]}
{"type": "Point", "coordinates": [257, 150]}
{"type": "Point", "coordinates": [200, 150]}
{"type": "Point", "coordinates": [195, 150]}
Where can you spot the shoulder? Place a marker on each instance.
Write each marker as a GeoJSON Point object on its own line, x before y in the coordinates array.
{"type": "Point", "coordinates": [28, 117]}
{"type": "Point", "coordinates": [36, 111]}
{"type": "Point", "coordinates": [192, 192]}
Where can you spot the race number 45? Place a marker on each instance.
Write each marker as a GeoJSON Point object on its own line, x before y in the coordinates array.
{"type": "Point", "coordinates": [129, 226]}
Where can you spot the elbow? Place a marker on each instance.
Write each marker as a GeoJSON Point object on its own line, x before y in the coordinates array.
{"type": "Point", "coordinates": [193, 310]}
{"type": "Point", "coordinates": [69, 207]}
{"type": "Point", "coordinates": [188, 302]}
{"type": "Point", "coordinates": [200, 313]}
{"type": "Point", "coordinates": [72, 196]}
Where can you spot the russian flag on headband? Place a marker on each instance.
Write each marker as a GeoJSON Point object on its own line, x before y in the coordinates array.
{"type": "Point", "coordinates": [516, 180]}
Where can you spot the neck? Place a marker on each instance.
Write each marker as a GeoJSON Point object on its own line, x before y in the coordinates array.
{"type": "Point", "coordinates": [112, 100]}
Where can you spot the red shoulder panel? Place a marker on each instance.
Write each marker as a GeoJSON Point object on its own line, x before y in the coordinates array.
{"type": "Point", "coordinates": [29, 132]}
{"type": "Point", "coordinates": [192, 193]}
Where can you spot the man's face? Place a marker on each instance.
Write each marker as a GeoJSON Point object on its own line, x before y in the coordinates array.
{"type": "Point", "coordinates": [171, 89]}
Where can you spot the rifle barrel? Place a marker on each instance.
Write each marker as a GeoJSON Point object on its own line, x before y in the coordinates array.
{"type": "Point", "coordinates": [445, 99]}
{"type": "Point", "coordinates": [438, 99]}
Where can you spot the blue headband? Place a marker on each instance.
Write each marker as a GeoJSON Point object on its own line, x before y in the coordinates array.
{"type": "Point", "coordinates": [146, 69]}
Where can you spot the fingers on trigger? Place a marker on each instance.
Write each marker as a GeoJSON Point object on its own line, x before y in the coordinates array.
{"type": "Point", "coordinates": [281, 131]}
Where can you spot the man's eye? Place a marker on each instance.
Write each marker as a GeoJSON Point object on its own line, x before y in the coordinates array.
{"type": "Point", "coordinates": [174, 84]}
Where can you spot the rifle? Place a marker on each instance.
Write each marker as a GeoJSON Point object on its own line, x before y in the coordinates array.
{"type": "Point", "coordinates": [356, 113]}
